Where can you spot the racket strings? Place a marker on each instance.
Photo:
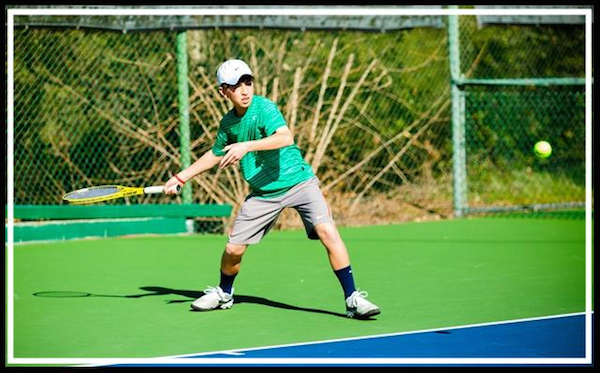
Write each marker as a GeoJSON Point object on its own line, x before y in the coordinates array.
{"type": "Point", "coordinates": [92, 193]}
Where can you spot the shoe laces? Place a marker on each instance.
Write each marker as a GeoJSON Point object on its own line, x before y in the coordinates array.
{"type": "Point", "coordinates": [214, 290]}
{"type": "Point", "coordinates": [354, 298]}
{"type": "Point", "coordinates": [218, 291]}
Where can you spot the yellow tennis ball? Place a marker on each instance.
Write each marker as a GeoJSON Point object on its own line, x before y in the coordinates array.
{"type": "Point", "coordinates": [542, 149]}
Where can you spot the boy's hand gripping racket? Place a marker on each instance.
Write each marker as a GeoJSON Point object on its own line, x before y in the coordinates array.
{"type": "Point", "coordinates": [107, 192]}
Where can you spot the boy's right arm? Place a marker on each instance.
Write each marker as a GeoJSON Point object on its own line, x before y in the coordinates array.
{"type": "Point", "coordinates": [204, 163]}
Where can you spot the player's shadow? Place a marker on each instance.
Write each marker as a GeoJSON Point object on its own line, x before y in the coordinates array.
{"type": "Point", "coordinates": [151, 291]}
{"type": "Point", "coordinates": [238, 299]}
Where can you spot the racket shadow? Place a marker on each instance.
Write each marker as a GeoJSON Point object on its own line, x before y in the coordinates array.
{"type": "Point", "coordinates": [192, 294]}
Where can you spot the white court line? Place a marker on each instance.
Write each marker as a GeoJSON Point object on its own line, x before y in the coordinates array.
{"type": "Point", "coordinates": [204, 359]}
{"type": "Point", "coordinates": [493, 323]}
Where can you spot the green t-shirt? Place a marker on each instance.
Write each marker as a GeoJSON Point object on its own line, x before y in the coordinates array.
{"type": "Point", "coordinates": [270, 173]}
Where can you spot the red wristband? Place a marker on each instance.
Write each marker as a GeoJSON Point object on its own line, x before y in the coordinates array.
{"type": "Point", "coordinates": [178, 179]}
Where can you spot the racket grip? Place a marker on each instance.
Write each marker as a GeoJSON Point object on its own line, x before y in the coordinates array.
{"type": "Point", "coordinates": [154, 189]}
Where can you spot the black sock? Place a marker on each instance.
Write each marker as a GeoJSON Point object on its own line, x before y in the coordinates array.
{"type": "Point", "coordinates": [226, 282]}
{"type": "Point", "coordinates": [346, 279]}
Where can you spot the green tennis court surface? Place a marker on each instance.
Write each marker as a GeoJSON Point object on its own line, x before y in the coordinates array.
{"type": "Point", "coordinates": [130, 297]}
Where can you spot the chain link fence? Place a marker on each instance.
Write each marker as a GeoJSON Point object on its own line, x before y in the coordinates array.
{"type": "Point", "coordinates": [504, 116]}
{"type": "Point", "coordinates": [370, 111]}
{"type": "Point", "coordinates": [91, 108]}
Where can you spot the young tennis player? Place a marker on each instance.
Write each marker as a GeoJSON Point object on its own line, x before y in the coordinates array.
{"type": "Point", "coordinates": [255, 136]}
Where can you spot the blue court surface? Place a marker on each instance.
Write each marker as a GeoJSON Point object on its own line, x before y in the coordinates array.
{"type": "Point", "coordinates": [554, 337]}
{"type": "Point", "coordinates": [560, 337]}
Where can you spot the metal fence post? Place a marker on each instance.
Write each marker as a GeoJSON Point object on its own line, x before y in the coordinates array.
{"type": "Point", "coordinates": [184, 113]}
{"type": "Point", "coordinates": [459, 177]}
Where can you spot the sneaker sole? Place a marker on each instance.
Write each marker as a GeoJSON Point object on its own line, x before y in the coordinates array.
{"type": "Point", "coordinates": [224, 306]}
{"type": "Point", "coordinates": [373, 312]}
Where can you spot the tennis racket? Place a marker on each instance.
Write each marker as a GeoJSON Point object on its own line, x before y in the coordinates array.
{"type": "Point", "coordinates": [107, 192]}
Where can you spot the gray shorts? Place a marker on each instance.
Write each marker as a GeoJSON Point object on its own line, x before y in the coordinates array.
{"type": "Point", "coordinates": [258, 215]}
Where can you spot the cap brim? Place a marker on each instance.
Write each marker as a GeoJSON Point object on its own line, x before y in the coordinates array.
{"type": "Point", "coordinates": [235, 79]}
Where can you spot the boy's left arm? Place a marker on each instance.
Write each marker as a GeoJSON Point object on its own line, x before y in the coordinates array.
{"type": "Point", "coordinates": [281, 138]}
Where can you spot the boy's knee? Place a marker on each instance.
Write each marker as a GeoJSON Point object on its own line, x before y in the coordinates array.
{"type": "Point", "coordinates": [235, 249]}
{"type": "Point", "coordinates": [327, 232]}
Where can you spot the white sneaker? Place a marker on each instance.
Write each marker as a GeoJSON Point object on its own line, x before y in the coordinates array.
{"type": "Point", "coordinates": [214, 297]}
{"type": "Point", "coordinates": [358, 307]}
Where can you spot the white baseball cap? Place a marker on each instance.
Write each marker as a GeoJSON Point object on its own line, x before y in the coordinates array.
{"type": "Point", "coordinates": [231, 71]}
